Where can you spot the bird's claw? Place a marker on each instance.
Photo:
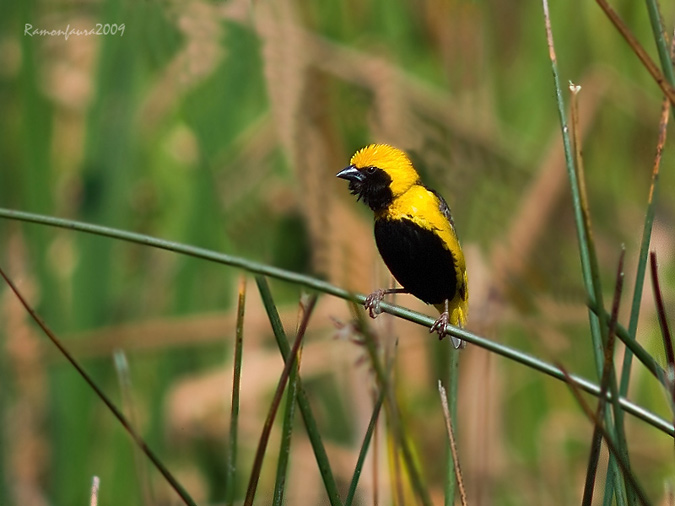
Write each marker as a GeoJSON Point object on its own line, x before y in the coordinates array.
{"type": "Point", "coordinates": [440, 324]}
{"type": "Point", "coordinates": [439, 327]}
{"type": "Point", "coordinates": [372, 303]}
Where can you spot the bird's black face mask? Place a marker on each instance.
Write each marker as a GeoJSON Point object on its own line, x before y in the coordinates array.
{"type": "Point", "coordinates": [370, 184]}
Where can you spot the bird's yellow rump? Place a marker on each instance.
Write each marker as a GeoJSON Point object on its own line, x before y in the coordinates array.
{"type": "Point", "coordinates": [414, 233]}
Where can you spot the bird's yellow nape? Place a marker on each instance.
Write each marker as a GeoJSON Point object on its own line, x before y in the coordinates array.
{"type": "Point", "coordinates": [391, 160]}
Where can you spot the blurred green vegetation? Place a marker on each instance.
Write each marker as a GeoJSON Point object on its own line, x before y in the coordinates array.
{"type": "Point", "coordinates": [221, 125]}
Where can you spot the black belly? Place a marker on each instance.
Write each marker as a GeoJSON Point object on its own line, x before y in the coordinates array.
{"type": "Point", "coordinates": [418, 260]}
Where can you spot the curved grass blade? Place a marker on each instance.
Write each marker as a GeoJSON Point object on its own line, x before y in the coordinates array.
{"type": "Point", "coordinates": [665, 329]}
{"type": "Point", "coordinates": [456, 469]}
{"type": "Point", "coordinates": [303, 402]}
{"type": "Point", "coordinates": [642, 256]}
{"type": "Point", "coordinates": [577, 192]}
{"type": "Point", "coordinates": [286, 436]}
{"type": "Point", "coordinates": [630, 478]}
{"type": "Point", "coordinates": [644, 247]}
{"type": "Point", "coordinates": [586, 242]}
{"type": "Point", "coordinates": [636, 348]}
{"type": "Point", "coordinates": [401, 312]}
{"type": "Point", "coordinates": [394, 417]}
{"type": "Point", "coordinates": [276, 401]}
{"type": "Point", "coordinates": [607, 373]}
{"type": "Point", "coordinates": [287, 427]}
{"type": "Point", "coordinates": [603, 333]}
{"type": "Point", "coordinates": [452, 473]}
{"type": "Point", "coordinates": [182, 493]}
{"type": "Point", "coordinates": [660, 39]}
{"type": "Point", "coordinates": [236, 390]}
{"type": "Point", "coordinates": [364, 448]}
{"type": "Point", "coordinates": [589, 262]}
{"type": "Point", "coordinates": [124, 376]}
{"type": "Point", "coordinates": [651, 67]}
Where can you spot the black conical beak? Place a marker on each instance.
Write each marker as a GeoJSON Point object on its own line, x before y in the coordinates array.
{"type": "Point", "coordinates": [351, 173]}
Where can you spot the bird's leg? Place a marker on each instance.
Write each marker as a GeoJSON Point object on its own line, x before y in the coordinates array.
{"type": "Point", "coordinates": [372, 302]}
{"type": "Point", "coordinates": [440, 325]}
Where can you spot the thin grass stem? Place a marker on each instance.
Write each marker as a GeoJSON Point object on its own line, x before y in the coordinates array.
{"type": "Point", "coordinates": [636, 348]}
{"type": "Point", "coordinates": [398, 311]}
{"type": "Point", "coordinates": [376, 465]}
{"type": "Point", "coordinates": [605, 385]}
{"type": "Point", "coordinates": [456, 468]}
{"type": "Point", "coordinates": [451, 474]}
{"type": "Point", "coordinates": [600, 333]}
{"type": "Point", "coordinates": [644, 248]}
{"type": "Point", "coordinates": [586, 242]}
{"type": "Point", "coordinates": [287, 426]}
{"type": "Point", "coordinates": [569, 156]}
{"type": "Point", "coordinates": [665, 54]}
{"type": "Point", "coordinates": [178, 488]}
{"type": "Point", "coordinates": [394, 418]}
{"type": "Point", "coordinates": [576, 190]}
{"type": "Point", "coordinates": [236, 391]}
{"type": "Point", "coordinates": [589, 264]}
{"type": "Point", "coordinates": [303, 402]}
{"type": "Point", "coordinates": [286, 437]}
{"type": "Point", "coordinates": [93, 494]}
{"type": "Point", "coordinates": [666, 85]}
{"type": "Point", "coordinates": [364, 448]}
{"type": "Point", "coordinates": [641, 496]}
{"type": "Point", "coordinates": [290, 363]}
{"type": "Point", "coordinates": [124, 377]}
{"type": "Point", "coordinates": [665, 329]}
{"type": "Point", "coordinates": [592, 467]}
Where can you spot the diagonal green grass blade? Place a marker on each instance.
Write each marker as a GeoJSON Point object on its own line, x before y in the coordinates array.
{"type": "Point", "coordinates": [665, 84]}
{"type": "Point", "coordinates": [286, 436]}
{"type": "Point", "coordinates": [236, 390]}
{"type": "Point", "coordinates": [287, 428]}
{"type": "Point", "coordinates": [394, 416]}
{"type": "Point", "coordinates": [641, 496]}
{"type": "Point", "coordinates": [182, 493]}
{"type": "Point", "coordinates": [401, 312]}
{"type": "Point", "coordinates": [303, 402]}
{"type": "Point", "coordinates": [291, 364]}
{"type": "Point", "coordinates": [607, 374]}
{"type": "Point", "coordinates": [644, 248]}
{"type": "Point", "coordinates": [665, 329]}
{"type": "Point", "coordinates": [660, 40]}
{"type": "Point", "coordinates": [364, 448]}
{"type": "Point", "coordinates": [124, 376]}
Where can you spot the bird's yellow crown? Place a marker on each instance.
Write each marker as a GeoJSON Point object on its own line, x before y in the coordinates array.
{"type": "Point", "coordinates": [391, 160]}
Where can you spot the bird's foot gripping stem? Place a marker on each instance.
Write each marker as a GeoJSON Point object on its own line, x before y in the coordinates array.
{"type": "Point", "coordinates": [439, 327]}
{"type": "Point", "coordinates": [372, 302]}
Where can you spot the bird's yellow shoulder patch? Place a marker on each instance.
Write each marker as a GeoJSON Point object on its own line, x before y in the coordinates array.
{"type": "Point", "coordinates": [422, 207]}
{"type": "Point", "coordinates": [391, 160]}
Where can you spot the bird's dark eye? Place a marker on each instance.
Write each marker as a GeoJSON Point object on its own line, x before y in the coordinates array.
{"type": "Point", "coordinates": [371, 170]}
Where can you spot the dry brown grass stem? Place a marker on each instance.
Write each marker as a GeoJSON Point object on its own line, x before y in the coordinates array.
{"type": "Point", "coordinates": [453, 443]}
{"type": "Point", "coordinates": [26, 447]}
{"type": "Point", "coordinates": [639, 50]}
{"type": "Point", "coordinates": [93, 496]}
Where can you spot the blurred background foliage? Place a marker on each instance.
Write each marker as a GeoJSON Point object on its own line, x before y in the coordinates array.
{"type": "Point", "coordinates": [222, 125]}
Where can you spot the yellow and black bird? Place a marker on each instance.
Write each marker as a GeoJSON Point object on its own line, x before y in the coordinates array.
{"type": "Point", "coordinates": [414, 233]}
